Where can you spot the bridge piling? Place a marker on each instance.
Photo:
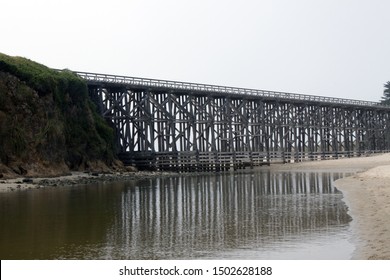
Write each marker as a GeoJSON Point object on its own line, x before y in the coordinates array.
{"type": "Point", "coordinates": [166, 125]}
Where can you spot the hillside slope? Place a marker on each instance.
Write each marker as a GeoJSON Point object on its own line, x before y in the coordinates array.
{"type": "Point", "coordinates": [48, 124]}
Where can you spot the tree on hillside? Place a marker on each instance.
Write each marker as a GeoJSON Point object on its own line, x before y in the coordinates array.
{"type": "Point", "coordinates": [386, 94]}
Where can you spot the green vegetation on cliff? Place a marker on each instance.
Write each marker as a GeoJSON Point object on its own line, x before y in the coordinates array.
{"type": "Point", "coordinates": [47, 120]}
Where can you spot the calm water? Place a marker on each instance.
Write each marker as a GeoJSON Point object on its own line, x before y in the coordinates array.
{"type": "Point", "coordinates": [248, 215]}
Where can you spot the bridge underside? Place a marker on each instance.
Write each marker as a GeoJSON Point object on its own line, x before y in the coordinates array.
{"type": "Point", "coordinates": [182, 131]}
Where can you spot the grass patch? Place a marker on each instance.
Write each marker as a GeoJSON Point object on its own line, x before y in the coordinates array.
{"type": "Point", "coordinates": [73, 117]}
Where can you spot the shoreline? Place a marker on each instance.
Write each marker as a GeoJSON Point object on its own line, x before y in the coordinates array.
{"type": "Point", "coordinates": [366, 194]}
{"type": "Point", "coordinates": [352, 165]}
{"type": "Point", "coordinates": [75, 178]}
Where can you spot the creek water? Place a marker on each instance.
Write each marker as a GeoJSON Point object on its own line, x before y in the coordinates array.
{"type": "Point", "coordinates": [255, 214]}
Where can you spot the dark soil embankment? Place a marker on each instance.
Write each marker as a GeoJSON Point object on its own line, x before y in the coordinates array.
{"type": "Point", "coordinates": [48, 124]}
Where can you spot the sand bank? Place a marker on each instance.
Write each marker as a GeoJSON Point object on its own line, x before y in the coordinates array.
{"type": "Point", "coordinates": [367, 195]}
{"type": "Point", "coordinates": [76, 178]}
{"type": "Point", "coordinates": [356, 164]}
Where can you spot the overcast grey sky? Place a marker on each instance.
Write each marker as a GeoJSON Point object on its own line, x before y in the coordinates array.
{"type": "Point", "coordinates": [335, 48]}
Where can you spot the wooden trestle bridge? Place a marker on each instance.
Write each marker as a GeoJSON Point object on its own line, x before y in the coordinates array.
{"type": "Point", "coordinates": [168, 125]}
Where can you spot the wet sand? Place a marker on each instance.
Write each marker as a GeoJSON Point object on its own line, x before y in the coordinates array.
{"type": "Point", "coordinates": [367, 195]}
{"type": "Point", "coordinates": [76, 178]}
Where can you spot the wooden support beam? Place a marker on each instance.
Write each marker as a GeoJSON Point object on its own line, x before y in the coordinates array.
{"type": "Point", "coordinates": [186, 131]}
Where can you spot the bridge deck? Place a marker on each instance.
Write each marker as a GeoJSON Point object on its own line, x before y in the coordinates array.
{"type": "Point", "coordinates": [134, 82]}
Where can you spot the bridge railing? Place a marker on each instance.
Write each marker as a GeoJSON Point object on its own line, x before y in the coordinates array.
{"type": "Point", "coordinates": [165, 84]}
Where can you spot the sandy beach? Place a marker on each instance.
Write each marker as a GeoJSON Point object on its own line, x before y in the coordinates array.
{"type": "Point", "coordinates": [367, 195]}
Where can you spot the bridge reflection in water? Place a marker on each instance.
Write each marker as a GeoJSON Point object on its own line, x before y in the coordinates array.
{"type": "Point", "coordinates": [223, 215]}
{"type": "Point", "coordinates": [204, 216]}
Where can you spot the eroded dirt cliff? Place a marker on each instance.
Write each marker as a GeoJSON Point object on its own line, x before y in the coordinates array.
{"type": "Point", "coordinates": [48, 124]}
